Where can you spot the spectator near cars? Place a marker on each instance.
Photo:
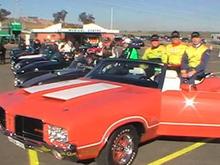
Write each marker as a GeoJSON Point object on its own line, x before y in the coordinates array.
{"type": "Point", "coordinates": [2, 53]}
{"type": "Point", "coordinates": [66, 47]}
{"type": "Point", "coordinates": [175, 51]}
{"type": "Point", "coordinates": [156, 52]}
{"type": "Point", "coordinates": [37, 46]}
{"type": "Point", "coordinates": [130, 52]}
{"type": "Point", "coordinates": [126, 40]}
{"type": "Point", "coordinates": [195, 60]}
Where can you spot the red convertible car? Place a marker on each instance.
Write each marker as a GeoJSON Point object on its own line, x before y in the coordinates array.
{"type": "Point", "coordinates": [109, 112]}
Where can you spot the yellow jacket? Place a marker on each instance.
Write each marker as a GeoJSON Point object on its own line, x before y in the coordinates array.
{"type": "Point", "coordinates": [174, 54]}
{"type": "Point", "coordinates": [195, 55]}
{"type": "Point", "coordinates": [153, 53]}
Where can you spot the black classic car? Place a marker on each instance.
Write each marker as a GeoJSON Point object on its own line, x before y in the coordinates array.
{"type": "Point", "coordinates": [25, 59]}
{"type": "Point", "coordinates": [57, 61]}
{"type": "Point", "coordinates": [46, 55]}
{"type": "Point", "coordinates": [75, 70]}
{"type": "Point", "coordinates": [18, 51]}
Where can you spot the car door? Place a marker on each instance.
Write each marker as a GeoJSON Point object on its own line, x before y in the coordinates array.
{"type": "Point", "coordinates": [190, 113]}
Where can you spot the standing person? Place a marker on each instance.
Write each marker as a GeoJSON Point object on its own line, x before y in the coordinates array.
{"type": "Point", "coordinates": [2, 53]}
{"type": "Point", "coordinates": [37, 46]}
{"type": "Point", "coordinates": [156, 52]}
{"type": "Point", "coordinates": [130, 52]}
{"type": "Point", "coordinates": [175, 51]}
{"type": "Point", "coordinates": [66, 47]}
{"type": "Point", "coordinates": [114, 50]}
{"type": "Point", "coordinates": [195, 60]}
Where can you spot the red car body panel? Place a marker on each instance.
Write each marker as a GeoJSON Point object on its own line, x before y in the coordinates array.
{"type": "Point", "coordinates": [192, 113]}
{"type": "Point", "coordinates": [132, 106]}
{"type": "Point", "coordinates": [91, 118]}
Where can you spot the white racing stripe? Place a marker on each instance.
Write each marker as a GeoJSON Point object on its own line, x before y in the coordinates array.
{"type": "Point", "coordinates": [30, 56]}
{"type": "Point", "coordinates": [39, 88]}
{"type": "Point", "coordinates": [80, 91]}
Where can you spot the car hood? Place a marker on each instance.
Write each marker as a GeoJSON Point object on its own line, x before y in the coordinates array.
{"type": "Point", "coordinates": [30, 75]}
{"type": "Point", "coordinates": [51, 76]}
{"type": "Point", "coordinates": [24, 61]}
{"type": "Point", "coordinates": [34, 65]}
{"type": "Point", "coordinates": [30, 56]}
{"type": "Point", "coordinates": [62, 102]}
{"type": "Point", "coordinates": [37, 79]}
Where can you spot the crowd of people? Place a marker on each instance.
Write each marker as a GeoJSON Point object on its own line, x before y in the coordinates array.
{"type": "Point", "coordinates": [190, 60]}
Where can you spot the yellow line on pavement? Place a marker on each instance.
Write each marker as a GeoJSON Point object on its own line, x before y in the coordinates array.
{"type": "Point", "coordinates": [33, 157]}
{"type": "Point", "coordinates": [177, 154]}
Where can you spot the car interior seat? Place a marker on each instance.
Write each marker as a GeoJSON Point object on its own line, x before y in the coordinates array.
{"type": "Point", "coordinates": [171, 81]}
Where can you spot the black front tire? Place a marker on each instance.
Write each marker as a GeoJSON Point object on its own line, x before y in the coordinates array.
{"type": "Point", "coordinates": [121, 148]}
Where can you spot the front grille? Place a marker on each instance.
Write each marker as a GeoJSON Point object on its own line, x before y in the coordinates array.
{"type": "Point", "coordinates": [2, 117]}
{"type": "Point", "coordinates": [29, 128]}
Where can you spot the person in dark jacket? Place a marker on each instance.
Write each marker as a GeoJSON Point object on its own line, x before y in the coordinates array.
{"type": "Point", "coordinates": [2, 53]}
{"type": "Point", "coordinates": [37, 46]}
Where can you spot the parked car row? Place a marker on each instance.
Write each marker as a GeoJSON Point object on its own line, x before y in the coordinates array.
{"type": "Point", "coordinates": [49, 66]}
{"type": "Point", "coordinates": [75, 70]}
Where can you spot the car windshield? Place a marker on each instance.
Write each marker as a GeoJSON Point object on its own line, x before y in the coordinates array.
{"type": "Point", "coordinates": [140, 73]}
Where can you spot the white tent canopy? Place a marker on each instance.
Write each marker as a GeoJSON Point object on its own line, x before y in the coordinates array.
{"type": "Point", "coordinates": [87, 28]}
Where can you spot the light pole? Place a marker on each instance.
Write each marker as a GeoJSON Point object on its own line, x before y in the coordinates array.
{"type": "Point", "coordinates": [112, 13]}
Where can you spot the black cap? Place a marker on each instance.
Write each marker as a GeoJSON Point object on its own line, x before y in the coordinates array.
{"type": "Point", "coordinates": [154, 37]}
{"type": "Point", "coordinates": [175, 34]}
{"type": "Point", "coordinates": [195, 34]}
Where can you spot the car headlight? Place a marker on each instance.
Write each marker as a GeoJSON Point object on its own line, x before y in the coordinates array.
{"type": "Point", "coordinates": [17, 82]}
{"type": "Point", "coordinates": [36, 69]}
{"type": "Point", "coordinates": [17, 66]}
{"type": "Point", "coordinates": [57, 134]}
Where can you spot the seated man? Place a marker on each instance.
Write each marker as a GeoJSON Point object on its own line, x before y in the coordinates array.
{"type": "Point", "coordinates": [195, 60]}
{"type": "Point", "coordinates": [175, 51]}
{"type": "Point", "coordinates": [155, 53]}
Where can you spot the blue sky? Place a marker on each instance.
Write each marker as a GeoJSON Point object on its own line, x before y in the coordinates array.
{"type": "Point", "coordinates": [161, 15]}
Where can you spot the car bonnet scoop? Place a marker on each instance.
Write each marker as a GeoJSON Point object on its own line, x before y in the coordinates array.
{"type": "Point", "coordinates": [71, 93]}
{"type": "Point", "coordinates": [45, 87]}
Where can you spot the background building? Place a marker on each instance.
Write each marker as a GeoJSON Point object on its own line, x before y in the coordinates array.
{"type": "Point", "coordinates": [73, 32]}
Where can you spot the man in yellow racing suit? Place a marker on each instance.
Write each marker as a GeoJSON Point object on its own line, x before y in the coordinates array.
{"type": "Point", "coordinates": [156, 52]}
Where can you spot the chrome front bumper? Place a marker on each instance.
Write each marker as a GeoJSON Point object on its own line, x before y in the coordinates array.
{"type": "Point", "coordinates": [26, 143]}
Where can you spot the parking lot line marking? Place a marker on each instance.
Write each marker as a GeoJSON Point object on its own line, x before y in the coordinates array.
{"type": "Point", "coordinates": [33, 157]}
{"type": "Point", "coordinates": [177, 154]}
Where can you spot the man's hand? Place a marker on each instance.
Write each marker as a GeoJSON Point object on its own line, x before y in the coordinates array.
{"type": "Point", "coordinates": [191, 73]}
{"type": "Point", "coordinates": [184, 74]}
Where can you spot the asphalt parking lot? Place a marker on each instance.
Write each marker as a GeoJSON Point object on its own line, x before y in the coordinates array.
{"type": "Point", "coordinates": [169, 151]}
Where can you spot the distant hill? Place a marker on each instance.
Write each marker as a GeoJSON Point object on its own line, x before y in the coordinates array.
{"type": "Point", "coordinates": [30, 22]}
{"type": "Point", "coordinates": [35, 23]}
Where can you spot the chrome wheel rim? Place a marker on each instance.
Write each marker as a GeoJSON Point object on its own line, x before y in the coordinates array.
{"type": "Point", "coordinates": [122, 149]}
